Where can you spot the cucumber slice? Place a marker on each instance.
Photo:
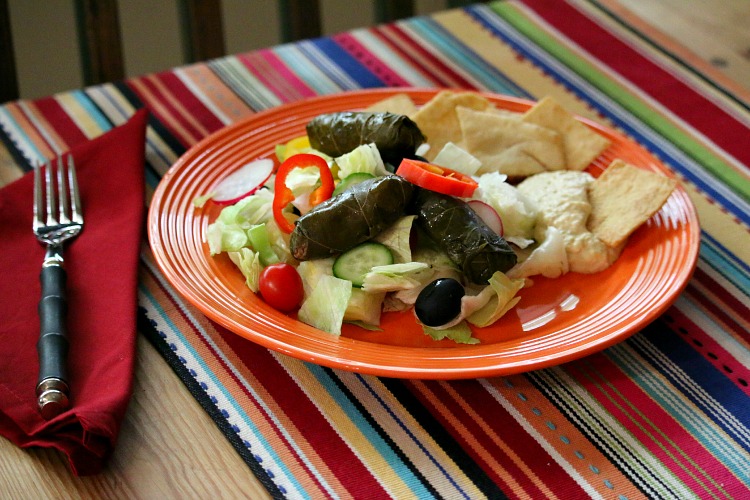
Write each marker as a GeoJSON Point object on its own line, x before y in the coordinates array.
{"type": "Point", "coordinates": [350, 180]}
{"type": "Point", "coordinates": [355, 263]}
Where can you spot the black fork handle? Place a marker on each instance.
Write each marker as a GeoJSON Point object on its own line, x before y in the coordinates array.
{"type": "Point", "coordinates": [52, 388]}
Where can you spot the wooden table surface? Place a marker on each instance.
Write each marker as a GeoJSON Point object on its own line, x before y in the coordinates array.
{"type": "Point", "coordinates": [169, 447]}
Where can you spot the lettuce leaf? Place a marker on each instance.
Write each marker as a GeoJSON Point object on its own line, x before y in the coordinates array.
{"type": "Point", "coordinates": [502, 291]}
{"type": "Point", "coordinates": [326, 304]}
{"type": "Point", "coordinates": [516, 211]}
{"type": "Point", "coordinates": [395, 277]}
{"type": "Point", "coordinates": [460, 333]}
{"type": "Point", "coordinates": [249, 264]}
{"type": "Point", "coordinates": [396, 238]}
{"type": "Point", "coordinates": [365, 158]}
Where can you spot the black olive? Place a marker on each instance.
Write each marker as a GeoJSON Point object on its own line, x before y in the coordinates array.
{"type": "Point", "coordinates": [439, 302]}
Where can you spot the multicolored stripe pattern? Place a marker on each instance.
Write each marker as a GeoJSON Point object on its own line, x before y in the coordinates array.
{"type": "Point", "coordinates": [665, 414]}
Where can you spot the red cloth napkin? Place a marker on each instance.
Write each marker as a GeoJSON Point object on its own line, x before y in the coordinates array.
{"type": "Point", "coordinates": [102, 267]}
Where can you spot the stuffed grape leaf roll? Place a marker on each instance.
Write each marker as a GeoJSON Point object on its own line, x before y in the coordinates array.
{"type": "Point", "coordinates": [456, 229]}
{"type": "Point", "coordinates": [350, 218]}
{"type": "Point", "coordinates": [396, 136]}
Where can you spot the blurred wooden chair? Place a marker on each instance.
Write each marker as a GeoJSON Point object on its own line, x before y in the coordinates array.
{"type": "Point", "coordinates": [202, 33]}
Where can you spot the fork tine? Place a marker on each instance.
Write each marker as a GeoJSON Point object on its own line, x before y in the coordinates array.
{"type": "Point", "coordinates": [38, 197]}
{"type": "Point", "coordinates": [50, 195]}
{"type": "Point", "coordinates": [76, 210]}
{"type": "Point", "coordinates": [62, 192]}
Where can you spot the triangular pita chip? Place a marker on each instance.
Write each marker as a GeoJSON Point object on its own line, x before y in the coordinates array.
{"type": "Point", "coordinates": [438, 121]}
{"type": "Point", "coordinates": [623, 198]}
{"type": "Point", "coordinates": [507, 145]}
{"type": "Point", "coordinates": [400, 104]}
{"type": "Point", "coordinates": [582, 144]}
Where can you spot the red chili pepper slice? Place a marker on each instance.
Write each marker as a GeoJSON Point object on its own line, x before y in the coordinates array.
{"type": "Point", "coordinates": [436, 178]}
{"type": "Point", "coordinates": [283, 196]}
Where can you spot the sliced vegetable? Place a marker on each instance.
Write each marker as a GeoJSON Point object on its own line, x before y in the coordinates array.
{"type": "Point", "coordinates": [243, 182]}
{"type": "Point", "coordinates": [325, 306]}
{"type": "Point", "coordinates": [364, 307]}
{"type": "Point", "coordinates": [365, 159]}
{"type": "Point", "coordinates": [295, 146]}
{"type": "Point", "coordinates": [354, 264]}
{"type": "Point", "coordinates": [281, 287]}
{"type": "Point", "coordinates": [283, 195]}
{"type": "Point", "coordinates": [453, 157]}
{"type": "Point", "coordinates": [259, 240]}
{"type": "Point", "coordinates": [439, 179]}
{"type": "Point", "coordinates": [249, 264]}
{"type": "Point", "coordinates": [396, 277]}
{"type": "Point", "coordinates": [503, 298]}
{"type": "Point", "coordinates": [548, 259]}
{"type": "Point", "coordinates": [351, 180]}
{"type": "Point", "coordinates": [460, 333]}
{"type": "Point", "coordinates": [439, 302]}
{"type": "Point", "coordinates": [489, 215]}
{"type": "Point", "coordinates": [516, 211]}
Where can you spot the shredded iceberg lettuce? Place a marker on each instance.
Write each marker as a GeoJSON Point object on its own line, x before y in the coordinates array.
{"type": "Point", "coordinates": [397, 237]}
{"type": "Point", "coordinates": [364, 308]}
{"type": "Point", "coordinates": [549, 259]}
{"type": "Point", "coordinates": [502, 299]}
{"type": "Point", "coordinates": [460, 333]}
{"type": "Point", "coordinates": [455, 158]}
{"type": "Point", "coordinates": [395, 277]}
{"type": "Point", "coordinates": [249, 264]}
{"type": "Point", "coordinates": [326, 304]}
{"type": "Point", "coordinates": [516, 211]}
{"type": "Point", "coordinates": [365, 158]}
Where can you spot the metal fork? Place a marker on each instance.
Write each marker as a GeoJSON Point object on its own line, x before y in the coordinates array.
{"type": "Point", "coordinates": [57, 219]}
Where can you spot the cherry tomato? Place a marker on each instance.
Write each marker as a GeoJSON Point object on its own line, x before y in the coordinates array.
{"type": "Point", "coordinates": [281, 286]}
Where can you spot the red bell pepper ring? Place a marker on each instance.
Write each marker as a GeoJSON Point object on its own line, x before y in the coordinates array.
{"type": "Point", "coordinates": [436, 178]}
{"type": "Point", "coordinates": [283, 196]}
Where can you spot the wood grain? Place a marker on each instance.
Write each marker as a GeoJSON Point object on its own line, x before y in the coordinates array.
{"type": "Point", "coordinates": [168, 448]}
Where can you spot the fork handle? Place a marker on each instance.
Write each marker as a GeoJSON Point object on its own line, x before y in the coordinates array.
{"type": "Point", "coordinates": [52, 387]}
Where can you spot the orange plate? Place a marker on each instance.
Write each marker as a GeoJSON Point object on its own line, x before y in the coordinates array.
{"type": "Point", "coordinates": [555, 321]}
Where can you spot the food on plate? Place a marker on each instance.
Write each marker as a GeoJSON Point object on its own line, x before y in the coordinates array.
{"type": "Point", "coordinates": [436, 178]}
{"type": "Point", "coordinates": [283, 195]}
{"type": "Point", "coordinates": [400, 104]}
{"type": "Point", "coordinates": [581, 144]}
{"type": "Point", "coordinates": [335, 134]}
{"type": "Point", "coordinates": [355, 263]}
{"type": "Point", "coordinates": [496, 138]}
{"type": "Point", "coordinates": [462, 235]}
{"type": "Point", "coordinates": [281, 286]}
{"type": "Point", "coordinates": [439, 302]}
{"type": "Point", "coordinates": [243, 182]}
{"type": "Point", "coordinates": [508, 145]}
{"type": "Point", "coordinates": [438, 121]}
{"type": "Point", "coordinates": [562, 201]}
{"type": "Point", "coordinates": [353, 217]}
{"type": "Point", "coordinates": [503, 197]}
{"type": "Point", "coordinates": [623, 198]}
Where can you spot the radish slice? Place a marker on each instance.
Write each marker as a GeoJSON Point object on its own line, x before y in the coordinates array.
{"type": "Point", "coordinates": [243, 182]}
{"type": "Point", "coordinates": [489, 215]}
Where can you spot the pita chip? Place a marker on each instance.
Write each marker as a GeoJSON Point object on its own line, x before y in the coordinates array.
{"type": "Point", "coordinates": [400, 104]}
{"type": "Point", "coordinates": [623, 198]}
{"type": "Point", "coordinates": [510, 146]}
{"type": "Point", "coordinates": [582, 144]}
{"type": "Point", "coordinates": [438, 121]}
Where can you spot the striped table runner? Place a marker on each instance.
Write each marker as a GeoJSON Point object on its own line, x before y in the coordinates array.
{"type": "Point", "coordinates": [664, 414]}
